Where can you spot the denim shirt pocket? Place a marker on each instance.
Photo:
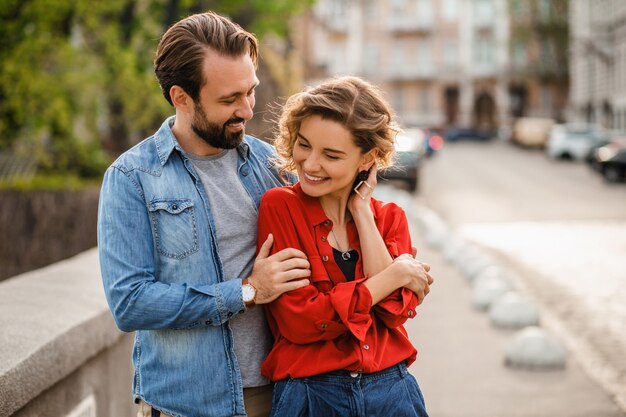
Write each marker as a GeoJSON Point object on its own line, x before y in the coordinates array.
{"type": "Point", "coordinates": [174, 227]}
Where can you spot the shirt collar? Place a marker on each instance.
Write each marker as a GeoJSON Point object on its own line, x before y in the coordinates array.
{"type": "Point", "coordinates": [166, 142]}
{"type": "Point", "coordinates": [314, 208]}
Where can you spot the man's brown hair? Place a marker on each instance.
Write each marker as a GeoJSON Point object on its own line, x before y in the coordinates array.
{"type": "Point", "coordinates": [181, 51]}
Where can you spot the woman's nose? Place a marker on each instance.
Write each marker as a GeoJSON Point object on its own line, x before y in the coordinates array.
{"type": "Point", "coordinates": [311, 163]}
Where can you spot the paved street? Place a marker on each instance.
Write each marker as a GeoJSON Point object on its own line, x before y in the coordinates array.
{"type": "Point", "coordinates": [559, 227]}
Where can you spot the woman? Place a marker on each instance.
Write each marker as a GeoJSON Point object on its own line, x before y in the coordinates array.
{"type": "Point", "coordinates": [340, 347]}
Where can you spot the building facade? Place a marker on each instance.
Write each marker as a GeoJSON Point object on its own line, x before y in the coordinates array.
{"type": "Point", "coordinates": [598, 62]}
{"type": "Point", "coordinates": [442, 62]}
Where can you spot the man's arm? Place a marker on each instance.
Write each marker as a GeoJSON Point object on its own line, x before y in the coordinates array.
{"type": "Point", "coordinates": [137, 298]}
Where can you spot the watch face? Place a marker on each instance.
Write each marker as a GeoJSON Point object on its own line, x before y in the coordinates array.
{"type": "Point", "coordinates": [248, 293]}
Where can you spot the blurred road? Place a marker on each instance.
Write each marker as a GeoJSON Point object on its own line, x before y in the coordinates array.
{"type": "Point", "coordinates": [560, 228]}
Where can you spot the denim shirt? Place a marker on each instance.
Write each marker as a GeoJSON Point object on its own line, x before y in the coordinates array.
{"type": "Point", "coordinates": [163, 276]}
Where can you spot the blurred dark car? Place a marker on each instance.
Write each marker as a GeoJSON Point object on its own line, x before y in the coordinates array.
{"type": "Point", "coordinates": [610, 160]}
{"type": "Point", "coordinates": [453, 134]}
{"type": "Point", "coordinates": [409, 152]}
{"type": "Point", "coordinates": [431, 138]}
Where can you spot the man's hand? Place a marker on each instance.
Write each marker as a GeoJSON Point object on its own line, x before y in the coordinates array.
{"type": "Point", "coordinates": [284, 271]}
{"type": "Point", "coordinates": [417, 274]}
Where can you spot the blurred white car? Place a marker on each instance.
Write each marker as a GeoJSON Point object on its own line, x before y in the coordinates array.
{"type": "Point", "coordinates": [574, 140]}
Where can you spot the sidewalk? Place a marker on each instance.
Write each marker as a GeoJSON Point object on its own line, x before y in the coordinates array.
{"type": "Point", "coordinates": [460, 362]}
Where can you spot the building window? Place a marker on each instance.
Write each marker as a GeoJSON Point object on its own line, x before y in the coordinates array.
{"type": "Point", "coordinates": [547, 56]}
{"type": "Point", "coordinates": [371, 9]}
{"type": "Point", "coordinates": [398, 101]}
{"type": "Point", "coordinates": [485, 13]}
{"type": "Point", "coordinates": [424, 55]}
{"type": "Point", "coordinates": [450, 10]}
{"type": "Point", "coordinates": [519, 9]}
{"type": "Point", "coordinates": [546, 100]}
{"type": "Point", "coordinates": [483, 51]}
{"type": "Point", "coordinates": [398, 8]}
{"type": "Point", "coordinates": [425, 11]}
{"type": "Point", "coordinates": [338, 62]}
{"type": "Point", "coordinates": [370, 57]}
{"type": "Point", "coordinates": [451, 54]}
{"type": "Point", "coordinates": [424, 101]}
{"type": "Point", "coordinates": [397, 56]}
{"type": "Point", "coordinates": [545, 12]}
{"type": "Point", "coordinates": [520, 57]}
{"type": "Point", "coordinates": [338, 9]}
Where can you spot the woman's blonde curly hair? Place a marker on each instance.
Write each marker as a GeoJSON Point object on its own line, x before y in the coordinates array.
{"type": "Point", "coordinates": [355, 103]}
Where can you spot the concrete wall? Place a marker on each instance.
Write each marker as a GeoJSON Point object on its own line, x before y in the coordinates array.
{"type": "Point", "coordinates": [45, 226]}
{"type": "Point", "coordinates": [60, 352]}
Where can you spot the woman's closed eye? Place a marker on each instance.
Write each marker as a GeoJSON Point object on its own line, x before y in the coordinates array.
{"type": "Point", "coordinates": [302, 144]}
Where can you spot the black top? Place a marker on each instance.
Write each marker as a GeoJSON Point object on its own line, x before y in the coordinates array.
{"type": "Point", "coordinates": [347, 266]}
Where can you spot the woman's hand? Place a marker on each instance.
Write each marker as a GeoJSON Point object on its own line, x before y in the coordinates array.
{"type": "Point", "coordinates": [416, 274]}
{"type": "Point", "coordinates": [360, 202]}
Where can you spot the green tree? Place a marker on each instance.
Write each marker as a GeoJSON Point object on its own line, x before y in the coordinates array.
{"type": "Point", "coordinates": [76, 77]}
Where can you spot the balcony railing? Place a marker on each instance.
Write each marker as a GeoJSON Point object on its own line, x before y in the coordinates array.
{"type": "Point", "coordinates": [408, 72]}
{"type": "Point", "coordinates": [406, 24]}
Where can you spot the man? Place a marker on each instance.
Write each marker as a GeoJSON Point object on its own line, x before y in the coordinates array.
{"type": "Point", "coordinates": [177, 231]}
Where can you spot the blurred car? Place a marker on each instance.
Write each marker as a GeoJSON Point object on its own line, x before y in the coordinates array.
{"type": "Point", "coordinates": [531, 131]}
{"type": "Point", "coordinates": [575, 140]}
{"type": "Point", "coordinates": [409, 153]}
{"type": "Point", "coordinates": [453, 134]}
{"type": "Point", "coordinates": [610, 160]}
{"type": "Point", "coordinates": [431, 138]}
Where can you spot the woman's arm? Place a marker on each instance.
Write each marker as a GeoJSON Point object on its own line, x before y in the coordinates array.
{"type": "Point", "coordinates": [318, 311]}
{"type": "Point", "coordinates": [374, 253]}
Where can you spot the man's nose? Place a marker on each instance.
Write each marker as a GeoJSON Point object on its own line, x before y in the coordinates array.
{"type": "Point", "coordinates": [245, 110]}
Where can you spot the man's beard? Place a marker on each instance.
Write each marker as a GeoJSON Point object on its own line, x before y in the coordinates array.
{"type": "Point", "coordinates": [214, 134]}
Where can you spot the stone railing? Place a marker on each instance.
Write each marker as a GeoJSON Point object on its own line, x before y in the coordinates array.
{"type": "Point", "coordinates": [60, 351]}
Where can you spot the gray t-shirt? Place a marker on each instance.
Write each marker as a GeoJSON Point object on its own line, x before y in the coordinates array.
{"type": "Point", "coordinates": [235, 217]}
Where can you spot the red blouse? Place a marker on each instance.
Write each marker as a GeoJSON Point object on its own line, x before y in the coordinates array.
{"type": "Point", "coordinates": [330, 324]}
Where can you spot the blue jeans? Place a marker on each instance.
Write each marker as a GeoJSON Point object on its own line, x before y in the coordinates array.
{"type": "Point", "coordinates": [390, 392]}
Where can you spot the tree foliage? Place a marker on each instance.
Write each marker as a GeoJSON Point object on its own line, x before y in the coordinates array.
{"type": "Point", "coordinates": [76, 77]}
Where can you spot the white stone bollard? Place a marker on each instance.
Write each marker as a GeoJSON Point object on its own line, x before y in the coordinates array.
{"type": "Point", "coordinates": [467, 254]}
{"type": "Point", "coordinates": [436, 234]}
{"type": "Point", "coordinates": [473, 267]}
{"type": "Point", "coordinates": [452, 248]}
{"type": "Point", "coordinates": [493, 272]}
{"type": "Point", "coordinates": [535, 348]}
{"type": "Point", "coordinates": [487, 291]}
{"type": "Point", "coordinates": [513, 310]}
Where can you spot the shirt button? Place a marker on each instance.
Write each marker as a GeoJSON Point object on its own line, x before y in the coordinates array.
{"type": "Point", "coordinates": [324, 258]}
{"type": "Point", "coordinates": [410, 313]}
{"type": "Point", "coordinates": [208, 322]}
{"type": "Point", "coordinates": [230, 314]}
{"type": "Point", "coordinates": [174, 206]}
{"type": "Point", "coordinates": [354, 374]}
{"type": "Point", "coordinates": [327, 223]}
{"type": "Point", "coordinates": [241, 311]}
{"type": "Point", "coordinates": [323, 325]}
{"type": "Point", "coordinates": [366, 347]}
{"type": "Point", "coordinates": [323, 238]}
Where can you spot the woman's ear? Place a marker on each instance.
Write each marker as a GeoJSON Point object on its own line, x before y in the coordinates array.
{"type": "Point", "coordinates": [369, 159]}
